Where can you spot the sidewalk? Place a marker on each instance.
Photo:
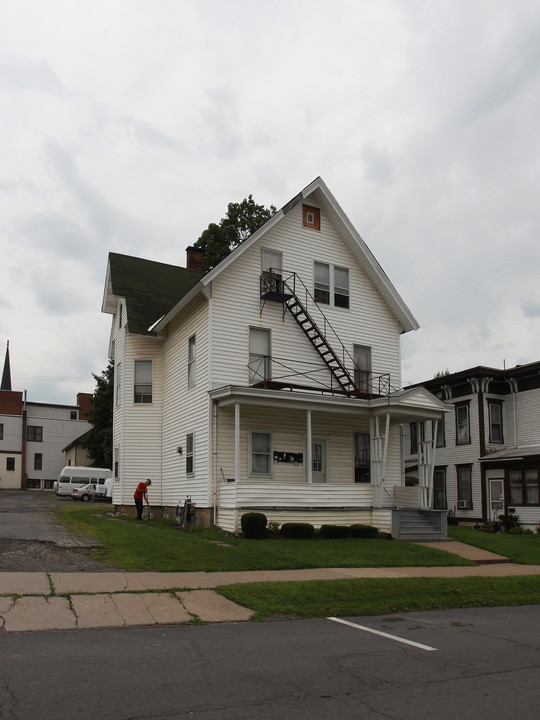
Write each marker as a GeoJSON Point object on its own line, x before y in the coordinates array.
{"type": "Point", "coordinates": [60, 601]}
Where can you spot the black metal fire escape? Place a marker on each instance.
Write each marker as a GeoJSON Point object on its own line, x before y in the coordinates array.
{"type": "Point", "coordinates": [282, 287]}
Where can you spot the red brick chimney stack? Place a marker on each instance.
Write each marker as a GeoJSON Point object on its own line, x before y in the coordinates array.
{"type": "Point", "coordinates": [195, 258]}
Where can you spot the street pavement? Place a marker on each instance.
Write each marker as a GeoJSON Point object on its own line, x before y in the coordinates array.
{"type": "Point", "coordinates": [70, 601]}
{"type": "Point", "coordinates": [109, 599]}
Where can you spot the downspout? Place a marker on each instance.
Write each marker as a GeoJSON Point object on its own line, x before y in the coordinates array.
{"type": "Point", "coordinates": [215, 486]}
{"type": "Point", "coordinates": [236, 461]}
{"type": "Point", "coordinates": [309, 460]}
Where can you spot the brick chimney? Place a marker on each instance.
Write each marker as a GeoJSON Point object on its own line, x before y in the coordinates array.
{"type": "Point", "coordinates": [84, 401]}
{"type": "Point", "coordinates": [195, 258]}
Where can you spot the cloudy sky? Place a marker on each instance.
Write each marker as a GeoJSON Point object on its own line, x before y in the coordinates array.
{"type": "Point", "coordinates": [128, 126]}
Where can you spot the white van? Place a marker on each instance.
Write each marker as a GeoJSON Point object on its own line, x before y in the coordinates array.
{"type": "Point", "coordinates": [73, 476]}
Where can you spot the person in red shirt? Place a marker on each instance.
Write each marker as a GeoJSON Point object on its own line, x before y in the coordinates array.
{"type": "Point", "coordinates": [141, 493]}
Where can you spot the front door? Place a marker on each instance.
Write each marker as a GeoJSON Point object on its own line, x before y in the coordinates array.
{"type": "Point", "coordinates": [496, 498]}
{"type": "Point", "coordinates": [318, 460]}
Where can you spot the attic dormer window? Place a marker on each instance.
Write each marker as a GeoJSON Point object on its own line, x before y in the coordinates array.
{"type": "Point", "coordinates": [311, 217]}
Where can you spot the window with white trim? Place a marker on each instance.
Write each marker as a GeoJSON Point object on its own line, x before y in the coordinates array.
{"type": "Point", "coordinates": [260, 453]}
{"type": "Point", "coordinates": [191, 361]}
{"type": "Point", "coordinates": [341, 287]}
{"type": "Point", "coordinates": [190, 454]}
{"type": "Point", "coordinates": [362, 367]}
{"type": "Point", "coordinates": [118, 384]}
{"type": "Point", "coordinates": [259, 355]}
{"type": "Point", "coordinates": [142, 391]}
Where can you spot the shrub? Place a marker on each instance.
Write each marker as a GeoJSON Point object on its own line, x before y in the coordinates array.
{"type": "Point", "coordinates": [273, 528]}
{"type": "Point", "coordinates": [509, 521]}
{"type": "Point", "coordinates": [333, 532]}
{"type": "Point", "coordinates": [253, 525]}
{"type": "Point", "coordinates": [297, 531]}
{"type": "Point", "coordinates": [363, 531]}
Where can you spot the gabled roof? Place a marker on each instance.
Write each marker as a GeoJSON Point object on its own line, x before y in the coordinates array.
{"type": "Point", "coordinates": [319, 194]}
{"type": "Point", "coordinates": [150, 289]}
{"type": "Point", "coordinates": [409, 403]}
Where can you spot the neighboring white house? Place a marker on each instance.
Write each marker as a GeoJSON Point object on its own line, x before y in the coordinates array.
{"type": "Point", "coordinates": [487, 449]}
{"type": "Point", "coordinates": [272, 382]}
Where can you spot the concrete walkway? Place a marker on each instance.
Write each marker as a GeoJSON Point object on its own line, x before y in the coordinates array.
{"type": "Point", "coordinates": [62, 601]}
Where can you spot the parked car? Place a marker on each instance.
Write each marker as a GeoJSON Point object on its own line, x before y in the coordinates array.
{"type": "Point", "coordinates": [74, 476]}
{"type": "Point", "coordinates": [90, 492]}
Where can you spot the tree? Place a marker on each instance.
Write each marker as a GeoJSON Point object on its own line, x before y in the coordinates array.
{"type": "Point", "coordinates": [442, 373]}
{"type": "Point", "coordinates": [98, 441]}
{"type": "Point", "coordinates": [241, 221]}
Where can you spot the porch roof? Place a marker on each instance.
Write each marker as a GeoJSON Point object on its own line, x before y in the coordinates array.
{"type": "Point", "coordinates": [412, 405]}
{"type": "Point", "coordinates": [517, 453]}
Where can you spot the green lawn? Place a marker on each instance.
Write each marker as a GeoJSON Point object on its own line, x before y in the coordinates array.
{"type": "Point", "coordinates": [523, 549]}
{"type": "Point", "coordinates": [345, 598]}
{"type": "Point", "coordinates": [158, 546]}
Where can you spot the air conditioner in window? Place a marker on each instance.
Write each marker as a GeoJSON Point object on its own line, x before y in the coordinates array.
{"type": "Point", "coordinates": [464, 504]}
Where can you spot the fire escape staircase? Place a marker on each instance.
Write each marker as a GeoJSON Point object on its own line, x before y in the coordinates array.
{"type": "Point", "coordinates": [275, 287]}
{"type": "Point", "coordinates": [319, 341]}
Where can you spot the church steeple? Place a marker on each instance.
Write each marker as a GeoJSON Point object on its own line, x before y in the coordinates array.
{"type": "Point", "coordinates": [6, 375]}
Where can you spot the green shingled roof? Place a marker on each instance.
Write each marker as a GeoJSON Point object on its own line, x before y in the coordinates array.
{"type": "Point", "coordinates": [150, 288]}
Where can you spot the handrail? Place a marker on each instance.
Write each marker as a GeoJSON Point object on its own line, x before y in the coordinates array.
{"type": "Point", "coordinates": [286, 278]}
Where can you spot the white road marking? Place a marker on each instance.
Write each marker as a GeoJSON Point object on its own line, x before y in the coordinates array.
{"type": "Point", "coordinates": [383, 634]}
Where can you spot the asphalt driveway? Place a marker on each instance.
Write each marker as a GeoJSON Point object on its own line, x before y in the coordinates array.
{"type": "Point", "coordinates": [32, 540]}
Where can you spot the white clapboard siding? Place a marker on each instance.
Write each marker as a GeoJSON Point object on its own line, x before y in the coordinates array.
{"type": "Point", "coordinates": [528, 417]}
{"type": "Point", "coordinates": [142, 423]}
{"type": "Point", "coordinates": [186, 410]}
{"type": "Point", "coordinates": [288, 430]}
{"type": "Point", "coordinates": [236, 305]}
{"type": "Point", "coordinates": [308, 504]}
{"type": "Point", "coordinates": [528, 516]}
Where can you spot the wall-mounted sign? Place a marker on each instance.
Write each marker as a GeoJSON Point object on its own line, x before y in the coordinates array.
{"type": "Point", "coordinates": [288, 457]}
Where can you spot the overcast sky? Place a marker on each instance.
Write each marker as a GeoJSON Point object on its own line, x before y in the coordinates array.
{"type": "Point", "coordinates": [128, 126]}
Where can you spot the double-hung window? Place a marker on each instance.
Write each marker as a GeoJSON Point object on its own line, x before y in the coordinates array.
{"type": "Point", "coordinates": [463, 432]}
{"type": "Point", "coordinates": [524, 486]}
{"type": "Point", "coordinates": [440, 440]}
{"type": "Point", "coordinates": [464, 487]}
{"type": "Point", "coordinates": [191, 362]}
{"type": "Point", "coordinates": [261, 453]}
{"type": "Point", "coordinates": [439, 489]}
{"type": "Point", "coordinates": [143, 381]}
{"type": "Point", "coordinates": [322, 283]}
{"type": "Point", "coordinates": [361, 457]}
{"type": "Point", "coordinates": [259, 355]}
{"type": "Point", "coordinates": [495, 422]}
{"type": "Point", "coordinates": [38, 461]}
{"type": "Point", "coordinates": [341, 287]}
{"type": "Point", "coordinates": [118, 384]}
{"type": "Point", "coordinates": [362, 368]}
{"type": "Point", "coordinates": [34, 433]}
{"type": "Point", "coordinates": [190, 454]}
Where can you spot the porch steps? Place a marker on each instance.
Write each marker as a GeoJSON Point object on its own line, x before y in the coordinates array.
{"type": "Point", "coordinates": [416, 524]}
{"type": "Point", "coordinates": [310, 329]}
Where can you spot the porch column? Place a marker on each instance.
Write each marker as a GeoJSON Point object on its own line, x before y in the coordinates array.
{"type": "Point", "coordinates": [236, 461]}
{"type": "Point", "coordinates": [309, 462]}
{"type": "Point", "coordinates": [432, 466]}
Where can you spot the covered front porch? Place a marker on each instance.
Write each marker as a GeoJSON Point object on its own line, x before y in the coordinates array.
{"type": "Point", "coordinates": [303, 457]}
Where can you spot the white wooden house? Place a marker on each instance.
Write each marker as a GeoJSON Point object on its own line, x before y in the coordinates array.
{"type": "Point", "coordinates": [488, 448]}
{"type": "Point", "coordinates": [270, 383]}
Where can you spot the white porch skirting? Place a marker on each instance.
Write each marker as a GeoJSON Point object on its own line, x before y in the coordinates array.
{"type": "Point", "coordinates": [318, 504]}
